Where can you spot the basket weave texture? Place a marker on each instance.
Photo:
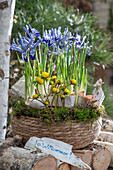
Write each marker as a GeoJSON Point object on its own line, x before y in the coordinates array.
{"type": "Point", "coordinates": [77, 134]}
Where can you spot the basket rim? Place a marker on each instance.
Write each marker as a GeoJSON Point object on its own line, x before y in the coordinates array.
{"type": "Point", "coordinates": [53, 123]}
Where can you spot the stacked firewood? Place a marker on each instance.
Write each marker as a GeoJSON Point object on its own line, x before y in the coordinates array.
{"type": "Point", "coordinates": [98, 155]}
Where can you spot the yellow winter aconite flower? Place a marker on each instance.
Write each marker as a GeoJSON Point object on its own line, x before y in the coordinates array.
{"type": "Point", "coordinates": [66, 91]}
{"type": "Point", "coordinates": [73, 81]}
{"type": "Point", "coordinates": [57, 90]}
{"type": "Point", "coordinates": [45, 74]}
{"type": "Point", "coordinates": [62, 96]}
{"type": "Point", "coordinates": [39, 80]}
{"type": "Point", "coordinates": [35, 96]}
{"type": "Point", "coordinates": [51, 83]}
{"type": "Point", "coordinates": [58, 81]}
{"type": "Point", "coordinates": [53, 77]}
{"type": "Point", "coordinates": [49, 78]}
{"type": "Point", "coordinates": [54, 90]}
{"type": "Point", "coordinates": [46, 103]}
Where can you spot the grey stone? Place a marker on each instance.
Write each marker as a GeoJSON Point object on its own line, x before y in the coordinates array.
{"type": "Point", "coordinates": [19, 87]}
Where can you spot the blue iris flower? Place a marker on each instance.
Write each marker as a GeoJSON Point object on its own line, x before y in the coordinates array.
{"type": "Point", "coordinates": [35, 44]}
{"type": "Point", "coordinates": [23, 47]}
{"type": "Point", "coordinates": [28, 43]}
{"type": "Point", "coordinates": [24, 56]}
{"type": "Point", "coordinates": [33, 30]}
{"type": "Point", "coordinates": [54, 38]}
{"type": "Point", "coordinates": [32, 54]}
{"type": "Point", "coordinates": [47, 38]}
{"type": "Point", "coordinates": [57, 37]}
{"type": "Point", "coordinates": [81, 44]}
{"type": "Point", "coordinates": [18, 48]}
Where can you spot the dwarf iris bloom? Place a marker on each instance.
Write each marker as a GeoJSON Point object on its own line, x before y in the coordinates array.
{"type": "Point", "coordinates": [27, 44]}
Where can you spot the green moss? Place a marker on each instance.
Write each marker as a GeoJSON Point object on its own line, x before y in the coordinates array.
{"type": "Point", "coordinates": [58, 114]}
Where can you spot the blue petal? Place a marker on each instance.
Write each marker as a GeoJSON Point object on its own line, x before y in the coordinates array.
{"type": "Point", "coordinates": [83, 40]}
{"type": "Point", "coordinates": [32, 54]}
{"type": "Point", "coordinates": [32, 57]}
{"type": "Point", "coordinates": [37, 43]}
{"type": "Point", "coordinates": [24, 56]}
{"type": "Point", "coordinates": [66, 31]}
{"type": "Point", "coordinates": [27, 30]}
{"type": "Point", "coordinates": [34, 31]}
{"type": "Point", "coordinates": [16, 47]}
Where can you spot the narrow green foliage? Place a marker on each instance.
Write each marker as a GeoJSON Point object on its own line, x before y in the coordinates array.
{"type": "Point", "coordinates": [52, 14]}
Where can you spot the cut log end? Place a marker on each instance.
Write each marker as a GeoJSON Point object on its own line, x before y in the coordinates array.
{"type": "Point", "coordinates": [64, 166]}
{"type": "Point", "coordinates": [45, 164]}
{"type": "Point", "coordinates": [101, 159]}
{"type": "Point", "coordinates": [85, 155]}
{"type": "Point", "coordinates": [109, 147]}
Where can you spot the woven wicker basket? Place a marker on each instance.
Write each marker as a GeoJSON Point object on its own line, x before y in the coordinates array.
{"type": "Point", "coordinates": [77, 134]}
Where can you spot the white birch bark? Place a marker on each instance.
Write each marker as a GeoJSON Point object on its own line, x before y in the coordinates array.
{"type": "Point", "coordinates": [6, 22]}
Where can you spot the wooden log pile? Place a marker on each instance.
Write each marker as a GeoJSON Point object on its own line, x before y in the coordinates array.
{"type": "Point", "coordinates": [17, 158]}
{"type": "Point", "coordinates": [95, 156]}
{"type": "Point", "coordinates": [105, 138]}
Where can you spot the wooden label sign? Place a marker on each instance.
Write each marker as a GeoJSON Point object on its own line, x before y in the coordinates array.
{"type": "Point", "coordinates": [56, 148]}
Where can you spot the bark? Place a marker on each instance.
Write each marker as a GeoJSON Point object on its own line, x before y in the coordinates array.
{"type": "Point", "coordinates": [15, 158]}
{"type": "Point", "coordinates": [6, 20]}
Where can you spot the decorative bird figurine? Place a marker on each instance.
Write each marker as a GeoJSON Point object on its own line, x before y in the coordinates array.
{"type": "Point", "coordinates": [98, 93]}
